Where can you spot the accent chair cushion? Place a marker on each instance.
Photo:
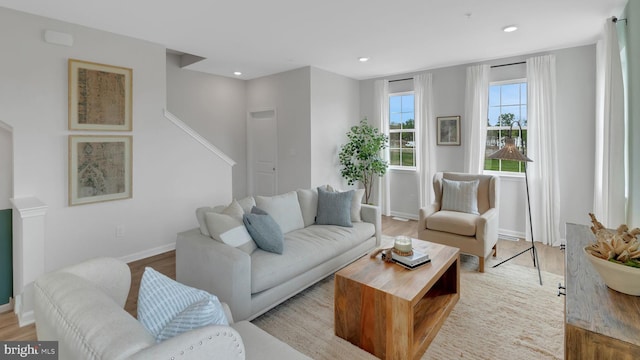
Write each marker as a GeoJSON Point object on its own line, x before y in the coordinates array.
{"type": "Point", "coordinates": [334, 208]}
{"type": "Point", "coordinates": [264, 230]}
{"type": "Point", "coordinates": [284, 209]}
{"type": "Point", "coordinates": [454, 222]}
{"type": "Point", "coordinates": [167, 308]}
{"type": "Point", "coordinates": [460, 196]}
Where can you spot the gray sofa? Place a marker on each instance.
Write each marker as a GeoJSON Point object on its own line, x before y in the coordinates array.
{"type": "Point", "coordinates": [252, 283]}
{"type": "Point", "coordinates": [81, 307]}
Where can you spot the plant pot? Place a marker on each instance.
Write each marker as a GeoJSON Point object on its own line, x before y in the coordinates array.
{"type": "Point", "coordinates": [621, 278]}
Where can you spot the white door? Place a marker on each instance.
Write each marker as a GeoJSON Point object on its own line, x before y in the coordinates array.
{"type": "Point", "coordinates": [263, 153]}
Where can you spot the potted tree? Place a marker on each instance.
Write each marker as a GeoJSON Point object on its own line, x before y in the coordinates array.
{"type": "Point", "coordinates": [360, 157]}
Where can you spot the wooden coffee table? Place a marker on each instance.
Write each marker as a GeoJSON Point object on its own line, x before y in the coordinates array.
{"type": "Point", "coordinates": [392, 312]}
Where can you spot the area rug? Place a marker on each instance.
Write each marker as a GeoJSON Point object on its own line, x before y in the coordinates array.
{"type": "Point", "coordinates": [503, 313]}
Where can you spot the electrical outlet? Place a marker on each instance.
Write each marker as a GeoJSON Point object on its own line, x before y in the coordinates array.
{"type": "Point", "coordinates": [120, 231]}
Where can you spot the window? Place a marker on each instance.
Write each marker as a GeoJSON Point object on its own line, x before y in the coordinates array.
{"type": "Point", "coordinates": [402, 132]}
{"type": "Point", "coordinates": [507, 104]}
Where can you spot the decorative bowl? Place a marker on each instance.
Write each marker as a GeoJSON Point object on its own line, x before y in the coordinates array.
{"type": "Point", "coordinates": [622, 278]}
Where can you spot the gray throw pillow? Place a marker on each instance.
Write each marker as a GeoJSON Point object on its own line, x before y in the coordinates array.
{"type": "Point", "coordinates": [334, 208]}
{"type": "Point", "coordinates": [264, 231]}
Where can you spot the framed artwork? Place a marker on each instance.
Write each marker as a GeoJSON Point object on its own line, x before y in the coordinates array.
{"type": "Point", "coordinates": [99, 168]}
{"type": "Point", "coordinates": [448, 130]}
{"type": "Point", "coordinates": [100, 97]}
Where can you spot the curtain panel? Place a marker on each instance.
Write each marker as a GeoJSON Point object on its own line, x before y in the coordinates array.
{"type": "Point", "coordinates": [381, 111]}
{"type": "Point", "coordinates": [544, 188]}
{"type": "Point", "coordinates": [425, 128]}
{"type": "Point", "coordinates": [610, 203]}
{"type": "Point", "coordinates": [476, 103]}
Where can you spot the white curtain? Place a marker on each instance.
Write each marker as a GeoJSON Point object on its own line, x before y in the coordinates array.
{"type": "Point", "coordinates": [381, 111]}
{"type": "Point", "coordinates": [542, 173]}
{"type": "Point", "coordinates": [426, 159]}
{"type": "Point", "coordinates": [609, 203]}
{"type": "Point", "coordinates": [476, 103]}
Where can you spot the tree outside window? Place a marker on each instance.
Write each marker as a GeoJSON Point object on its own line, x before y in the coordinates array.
{"type": "Point", "coordinates": [507, 104]}
{"type": "Point", "coordinates": [402, 140]}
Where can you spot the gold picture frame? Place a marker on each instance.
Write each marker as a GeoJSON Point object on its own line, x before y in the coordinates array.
{"type": "Point", "coordinates": [100, 168]}
{"type": "Point", "coordinates": [100, 97]}
{"type": "Point", "coordinates": [448, 130]}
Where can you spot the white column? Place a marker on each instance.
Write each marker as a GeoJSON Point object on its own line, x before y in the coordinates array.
{"type": "Point", "coordinates": [28, 253]}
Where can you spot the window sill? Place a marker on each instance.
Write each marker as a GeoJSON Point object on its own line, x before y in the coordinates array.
{"type": "Point", "coordinates": [504, 174]}
{"type": "Point", "coordinates": [402, 169]}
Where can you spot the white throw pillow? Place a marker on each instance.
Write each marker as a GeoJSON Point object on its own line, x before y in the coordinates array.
{"type": "Point", "coordinates": [234, 210]}
{"type": "Point", "coordinates": [284, 209]}
{"type": "Point", "coordinates": [308, 199]}
{"type": "Point", "coordinates": [229, 230]}
{"type": "Point", "coordinates": [246, 204]}
{"type": "Point", "coordinates": [167, 308]}
{"type": "Point", "coordinates": [461, 196]}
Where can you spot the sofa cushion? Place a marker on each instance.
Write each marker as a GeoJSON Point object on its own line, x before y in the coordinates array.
{"type": "Point", "coordinates": [334, 208]}
{"type": "Point", "coordinates": [460, 196]}
{"type": "Point", "coordinates": [453, 222]}
{"type": "Point", "coordinates": [230, 230]}
{"type": "Point", "coordinates": [264, 231]}
{"type": "Point", "coordinates": [284, 209]}
{"type": "Point", "coordinates": [167, 308]}
{"type": "Point", "coordinates": [305, 249]}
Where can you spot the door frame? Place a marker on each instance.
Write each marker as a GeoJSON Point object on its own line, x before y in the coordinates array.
{"type": "Point", "coordinates": [251, 116]}
{"type": "Point", "coordinates": [11, 168]}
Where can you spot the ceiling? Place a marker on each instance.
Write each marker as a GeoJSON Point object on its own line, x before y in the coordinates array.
{"type": "Point", "coordinates": [262, 37]}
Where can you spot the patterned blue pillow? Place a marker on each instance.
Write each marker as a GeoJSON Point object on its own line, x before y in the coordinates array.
{"type": "Point", "coordinates": [167, 308]}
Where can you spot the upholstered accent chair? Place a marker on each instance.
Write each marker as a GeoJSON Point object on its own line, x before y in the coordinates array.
{"type": "Point", "coordinates": [464, 214]}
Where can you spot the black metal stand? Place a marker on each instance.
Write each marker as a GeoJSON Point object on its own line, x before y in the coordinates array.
{"type": "Point", "coordinates": [534, 254]}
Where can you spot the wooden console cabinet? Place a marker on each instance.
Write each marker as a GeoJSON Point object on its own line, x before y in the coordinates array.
{"type": "Point", "coordinates": [600, 323]}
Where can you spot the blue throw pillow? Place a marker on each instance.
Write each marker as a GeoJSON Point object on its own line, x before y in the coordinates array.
{"type": "Point", "coordinates": [167, 308]}
{"type": "Point", "coordinates": [264, 230]}
{"type": "Point", "coordinates": [334, 208]}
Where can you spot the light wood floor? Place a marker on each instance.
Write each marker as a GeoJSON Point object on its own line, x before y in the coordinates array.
{"type": "Point", "coordinates": [551, 260]}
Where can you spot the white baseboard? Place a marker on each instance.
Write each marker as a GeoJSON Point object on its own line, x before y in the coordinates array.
{"type": "Point", "coordinates": [510, 234]}
{"type": "Point", "coordinates": [26, 318]}
{"type": "Point", "coordinates": [148, 253]}
{"type": "Point", "coordinates": [6, 307]}
{"type": "Point", "coordinates": [404, 215]}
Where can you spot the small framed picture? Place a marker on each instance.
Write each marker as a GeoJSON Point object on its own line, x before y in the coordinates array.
{"type": "Point", "coordinates": [448, 130]}
{"type": "Point", "coordinates": [99, 168]}
{"type": "Point", "coordinates": [99, 97]}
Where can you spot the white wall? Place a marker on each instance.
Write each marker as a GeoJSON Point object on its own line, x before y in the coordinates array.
{"type": "Point", "coordinates": [576, 121]}
{"type": "Point", "coordinates": [6, 167]}
{"type": "Point", "coordinates": [334, 109]}
{"type": "Point", "coordinates": [214, 106]}
{"type": "Point", "coordinates": [172, 174]}
{"type": "Point", "coordinates": [289, 93]}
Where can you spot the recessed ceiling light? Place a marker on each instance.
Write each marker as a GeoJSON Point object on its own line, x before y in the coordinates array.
{"type": "Point", "coordinates": [510, 28]}
{"type": "Point", "coordinates": [363, 59]}
{"type": "Point", "coordinates": [237, 73]}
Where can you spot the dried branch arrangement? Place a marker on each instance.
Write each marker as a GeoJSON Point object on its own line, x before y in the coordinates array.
{"type": "Point", "coordinates": [620, 246]}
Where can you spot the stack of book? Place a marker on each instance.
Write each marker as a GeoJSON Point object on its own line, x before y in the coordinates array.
{"type": "Point", "coordinates": [412, 261]}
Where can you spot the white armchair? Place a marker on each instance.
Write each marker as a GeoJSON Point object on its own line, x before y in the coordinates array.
{"type": "Point", "coordinates": [474, 234]}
